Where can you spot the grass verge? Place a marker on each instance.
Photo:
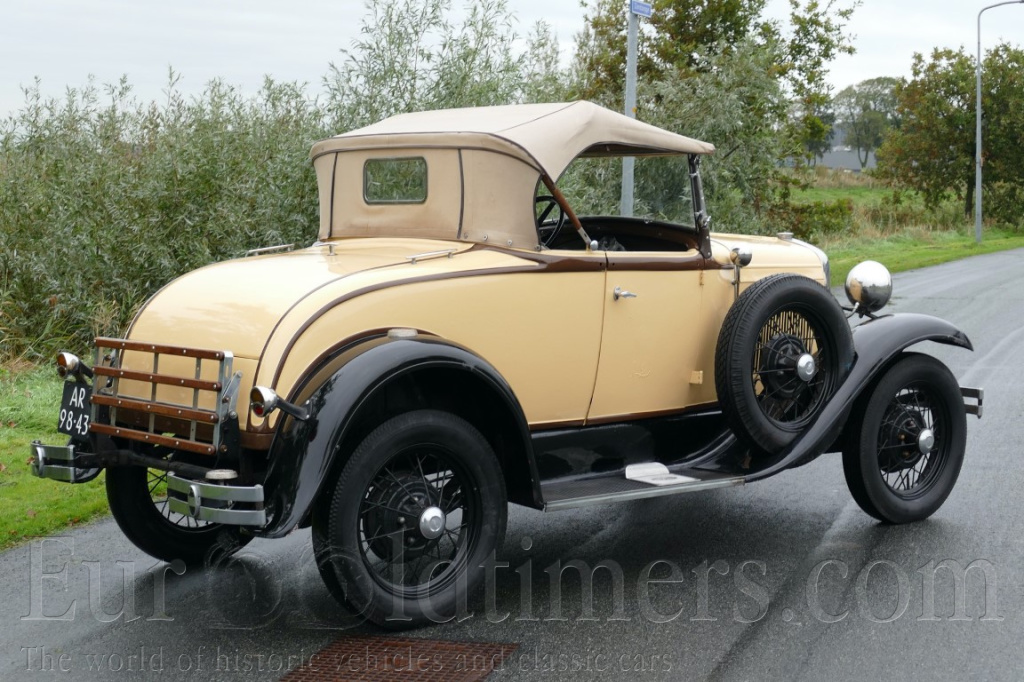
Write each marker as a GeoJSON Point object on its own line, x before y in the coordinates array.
{"type": "Point", "coordinates": [913, 248]}
{"type": "Point", "coordinates": [30, 506]}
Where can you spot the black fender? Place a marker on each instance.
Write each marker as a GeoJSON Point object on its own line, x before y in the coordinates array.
{"type": "Point", "coordinates": [303, 453]}
{"type": "Point", "coordinates": [876, 342]}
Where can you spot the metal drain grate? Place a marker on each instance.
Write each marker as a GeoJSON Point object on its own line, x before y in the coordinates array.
{"type": "Point", "coordinates": [368, 659]}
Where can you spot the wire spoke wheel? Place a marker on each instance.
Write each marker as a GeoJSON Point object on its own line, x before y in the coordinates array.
{"type": "Point", "coordinates": [911, 441]}
{"type": "Point", "coordinates": [138, 502]}
{"type": "Point", "coordinates": [903, 457]}
{"type": "Point", "coordinates": [786, 396]}
{"type": "Point", "coordinates": [415, 513]}
{"type": "Point", "coordinates": [415, 521]}
{"type": "Point", "coordinates": [783, 349]}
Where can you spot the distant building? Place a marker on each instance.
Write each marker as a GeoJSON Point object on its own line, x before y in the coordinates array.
{"type": "Point", "coordinates": [845, 157]}
{"type": "Point", "coordinates": [842, 155]}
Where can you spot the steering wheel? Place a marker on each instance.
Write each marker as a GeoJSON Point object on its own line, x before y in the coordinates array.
{"type": "Point", "coordinates": [547, 226]}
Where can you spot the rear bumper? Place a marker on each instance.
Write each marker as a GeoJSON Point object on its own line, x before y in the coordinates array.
{"type": "Point", "coordinates": [60, 463]}
{"type": "Point", "coordinates": [235, 505]}
{"type": "Point", "coordinates": [977, 394]}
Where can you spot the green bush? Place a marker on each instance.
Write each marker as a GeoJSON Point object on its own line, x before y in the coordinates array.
{"type": "Point", "coordinates": [1005, 205]}
{"type": "Point", "coordinates": [813, 221]}
{"type": "Point", "coordinates": [103, 199]}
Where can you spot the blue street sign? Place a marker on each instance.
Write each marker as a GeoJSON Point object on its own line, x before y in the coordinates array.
{"type": "Point", "coordinates": [641, 9]}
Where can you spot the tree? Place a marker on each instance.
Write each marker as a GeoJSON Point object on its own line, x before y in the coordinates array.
{"type": "Point", "coordinates": [817, 141]}
{"type": "Point", "coordinates": [411, 58]}
{"type": "Point", "coordinates": [867, 111]}
{"type": "Point", "coordinates": [933, 151]}
{"type": "Point", "coordinates": [817, 36]}
{"type": "Point", "coordinates": [1002, 101]}
{"type": "Point", "coordinates": [684, 38]}
{"type": "Point", "coordinates": [735, 101]}
{"type": "Point", "coordinates": [680, 36]}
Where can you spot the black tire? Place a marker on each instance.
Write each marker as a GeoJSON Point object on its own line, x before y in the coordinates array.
{"type": "Point", "coordinates": [384, 567]}
{"type": "Point", "coordinates": [771, 325]}
{"type": "Point", "coordinates": [143, 516]}
{"type": "Point", "coordinates": [888, 474]}
{"type": "Point", "coordinates": [322, 557]}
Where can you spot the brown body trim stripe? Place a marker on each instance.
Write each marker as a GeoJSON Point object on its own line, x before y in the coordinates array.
{"type": "Point", "coordinates": [377, 287]}
{"type": "Point", "coordinates": [548, 263]}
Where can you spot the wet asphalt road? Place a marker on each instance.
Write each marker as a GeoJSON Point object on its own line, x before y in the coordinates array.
{"type": "Point", "coordinates": [783, 579]}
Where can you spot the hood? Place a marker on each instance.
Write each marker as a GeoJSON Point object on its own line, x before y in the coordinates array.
{"type": "Point", "coordinates": [773, 254]}
{"type": "Point", "coordinates": [236, 305]}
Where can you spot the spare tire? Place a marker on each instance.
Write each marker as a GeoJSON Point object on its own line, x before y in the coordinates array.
{"type": "Point", "coordinates": [784, 348]}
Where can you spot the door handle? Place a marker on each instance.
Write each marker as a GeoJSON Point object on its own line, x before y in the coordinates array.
{"type": "Point", "coordinates": [620, 293]}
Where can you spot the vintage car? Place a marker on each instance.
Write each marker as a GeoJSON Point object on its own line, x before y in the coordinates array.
{"type": "Point", "coordinates": [460, 337]}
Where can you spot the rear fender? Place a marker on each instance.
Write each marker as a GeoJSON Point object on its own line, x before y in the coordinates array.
{"type": "Point", "coordinates": [877, 343]}
{"type": "Point", "coordinates": [304, 454]}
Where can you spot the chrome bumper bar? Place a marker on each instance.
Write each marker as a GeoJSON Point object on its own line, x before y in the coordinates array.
{"type": "Point", "coordinates": [977, 394]}
{"type": "Point", "coordinates": [227, 504]}
{"type": "Point", "coordinates": [216, 503]}
{"type": "Point", "coordinates": [57, 462]}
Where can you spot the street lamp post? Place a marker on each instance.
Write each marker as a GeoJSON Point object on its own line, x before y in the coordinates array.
{"type": "Point", "coordinates": [977, 135]}
{"type": "Point", "coordinates": [637, 8]}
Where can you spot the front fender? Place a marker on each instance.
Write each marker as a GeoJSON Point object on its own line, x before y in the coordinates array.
{"type": "Point", "coordinates": [304, 452]}
{"type": "Point", "coordinates": [876, 343]}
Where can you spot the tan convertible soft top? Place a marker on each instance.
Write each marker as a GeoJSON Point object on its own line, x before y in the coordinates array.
{"type": "Point", "coordinates": [482, 166]}
{"type": "Point", "coordinates": [547, 136]}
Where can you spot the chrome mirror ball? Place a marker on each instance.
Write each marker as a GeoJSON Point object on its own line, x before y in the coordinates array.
{"type": "Point", "coordinates": [869, 286]}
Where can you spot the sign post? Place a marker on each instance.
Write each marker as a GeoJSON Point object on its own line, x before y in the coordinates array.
{"type": "Point", "coordinates": [636, 9]}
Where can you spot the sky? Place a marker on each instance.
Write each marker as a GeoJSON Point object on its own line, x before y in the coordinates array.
{"type": "Point", "coordinates": [63, 42]}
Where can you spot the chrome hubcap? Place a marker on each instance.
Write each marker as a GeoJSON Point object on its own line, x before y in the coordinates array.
{"type": "Point", "coordinates": [925, 441]}
{"type": "Point", "coordinates": [806, 368]}
{"type": "Point", "coordinates": [432, 522]}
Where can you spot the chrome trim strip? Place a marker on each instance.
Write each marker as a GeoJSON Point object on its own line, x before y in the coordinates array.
{"type": "Point", "coordinates": [431, 254]}
{"type": "Point", "coordinates": [642, 493]}
{"type": "Point", "coordinates": [822, 256]}
{"type": "Point", "coordinates": [269, 249]}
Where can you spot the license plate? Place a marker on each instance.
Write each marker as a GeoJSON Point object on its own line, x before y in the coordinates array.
{"type": "Point", "coordinates": [75, 407]}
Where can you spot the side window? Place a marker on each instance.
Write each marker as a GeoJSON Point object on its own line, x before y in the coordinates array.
{"type": "Point", "coordinates": [401, 180]}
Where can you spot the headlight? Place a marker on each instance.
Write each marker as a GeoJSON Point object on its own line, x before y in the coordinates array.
{"type": "Point", "coordinates": [869, 286]}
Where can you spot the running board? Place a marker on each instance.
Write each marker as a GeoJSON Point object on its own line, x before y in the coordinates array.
{"type": "Point", "coordinates": [569, 494]}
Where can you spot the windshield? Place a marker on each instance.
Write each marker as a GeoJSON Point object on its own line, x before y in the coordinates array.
{"type": "Point", "coordinates": [661, 188]}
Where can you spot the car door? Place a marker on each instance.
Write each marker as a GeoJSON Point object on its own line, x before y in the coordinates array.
{"type": "Point", "coordinates": [650, 361]}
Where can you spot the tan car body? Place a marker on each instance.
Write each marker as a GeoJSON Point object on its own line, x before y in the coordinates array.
{"type": "Point", "coordinates": [452, 343]}
{"type": "Point", "coordinates": [465, 266]}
